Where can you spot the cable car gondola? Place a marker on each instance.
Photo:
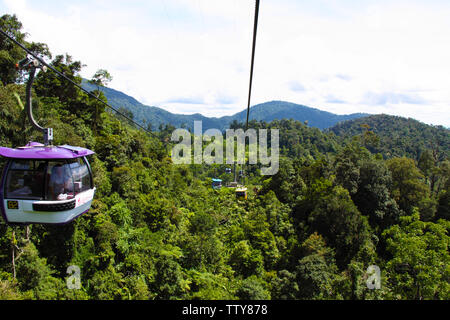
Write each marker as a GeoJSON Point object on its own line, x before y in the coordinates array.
{"type": "Point", "coordinates": [45, 184]}
{"type": "Point", "coordinates": [42, 183]}
{"type": "Point", "coordinates": [241, 193]}
{"type": "Point", "coordinates": [216, 183]}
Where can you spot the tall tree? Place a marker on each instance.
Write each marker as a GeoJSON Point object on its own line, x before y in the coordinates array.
{"type": "Point", "coordinates": [408, 183]}
{"type": "Point", "coordinates": [419, 267]}
{"type": "Point", "coordinates": [10, 53]}
{"type": "Point", "coordinates": [373, 197]}
{"type": "Point", "coordinates": [336, 217]}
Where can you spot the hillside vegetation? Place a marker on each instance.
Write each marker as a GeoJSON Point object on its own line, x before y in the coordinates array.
{"type": "Point", "coordinates": [397, 136]}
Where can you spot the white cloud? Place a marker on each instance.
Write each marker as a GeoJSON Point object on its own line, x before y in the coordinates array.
{"type": "Point", "coordinates": [198, 51]}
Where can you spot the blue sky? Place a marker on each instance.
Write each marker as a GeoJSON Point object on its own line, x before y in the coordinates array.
{"type": "Point", "coordinates": [190, 56]}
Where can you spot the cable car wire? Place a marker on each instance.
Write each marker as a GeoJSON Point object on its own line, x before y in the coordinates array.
{"type": "Point", "coordinates": [255, 29]}
{"type": "Point", "coordinates": [72, 82]}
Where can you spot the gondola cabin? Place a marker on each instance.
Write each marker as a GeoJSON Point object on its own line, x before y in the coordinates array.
{"type": "Point", "coordinates": [45, 184]}
{"type": "Point", "coordinates": [216, 183]}
{"type": "Point", "coordinates": [241, 193]}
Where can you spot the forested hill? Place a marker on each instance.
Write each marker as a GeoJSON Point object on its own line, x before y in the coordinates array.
{"type": "Point", "coordinates": [278, 110]}
{"type": "Point", "coordinates": [151, 116]}
{"type": "Point", "coordinates": [396, 136]}
{"type": "Point", "coordinates": [267, 111]}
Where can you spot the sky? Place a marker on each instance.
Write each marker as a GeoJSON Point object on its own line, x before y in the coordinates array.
{"type": "Point", "coordinates": [193, 56]}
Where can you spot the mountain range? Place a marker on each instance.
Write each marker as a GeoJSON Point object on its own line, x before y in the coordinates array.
{"type": "Point", "coordinates": [398, 136]}
{"type": "Point", "coordinates": [267, 111]}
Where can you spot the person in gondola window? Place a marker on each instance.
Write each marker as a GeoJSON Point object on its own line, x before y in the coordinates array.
{"type": "Point", "coordinates": [59, 183]}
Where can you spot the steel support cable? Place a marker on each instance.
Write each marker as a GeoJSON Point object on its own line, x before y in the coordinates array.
{"type": "Point", "coordinates": [255, 29]}
{"type": "Point", "coordinates": [73, 82]}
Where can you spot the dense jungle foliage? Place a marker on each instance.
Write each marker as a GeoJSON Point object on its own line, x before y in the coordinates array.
{"type": "Point", "coordinates": [159, 231]}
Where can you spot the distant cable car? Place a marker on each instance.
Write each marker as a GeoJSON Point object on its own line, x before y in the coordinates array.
{"type": "Point", "coordinates": [216, 183]}
{"type": "Point", "coordinates": [45, 184]}
{"type": "Point", "coordinates": [241, 193]}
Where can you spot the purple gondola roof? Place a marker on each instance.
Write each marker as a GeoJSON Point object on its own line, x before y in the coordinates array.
{"type": "Point", "coordinates": [35, 150]}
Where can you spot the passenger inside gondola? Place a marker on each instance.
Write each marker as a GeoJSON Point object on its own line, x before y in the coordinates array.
{"type": "Point", "coordinates": [60, 186]}
{"type": "Point", "coordinates": [23, 181]}
{"type": "Point", "coordinates": [22, 187]}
